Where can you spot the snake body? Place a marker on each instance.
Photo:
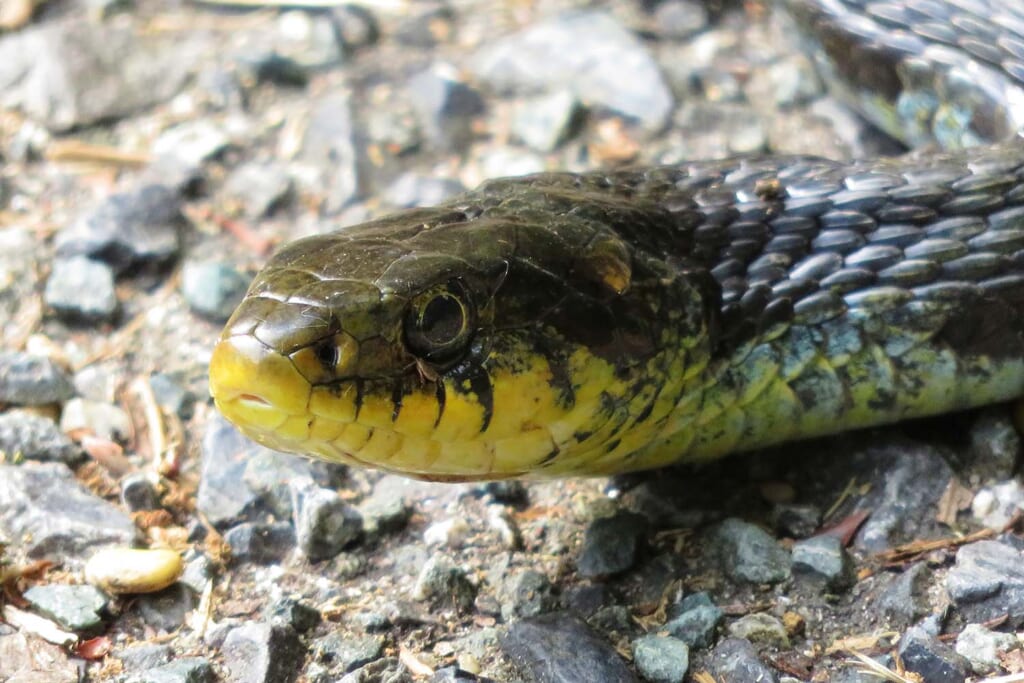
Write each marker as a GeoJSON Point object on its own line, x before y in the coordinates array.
{"type": "Point", "coordinates": [581, 324]}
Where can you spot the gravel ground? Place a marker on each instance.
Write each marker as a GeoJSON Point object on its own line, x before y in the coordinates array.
{"type": "Point", "coordinates": [153, 154]}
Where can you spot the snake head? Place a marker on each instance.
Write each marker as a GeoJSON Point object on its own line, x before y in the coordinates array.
{"type": "Point", "coordinates": [460, 343]}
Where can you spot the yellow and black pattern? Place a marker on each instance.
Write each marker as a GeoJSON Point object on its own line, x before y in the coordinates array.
{"type": "Point", "coordinates": [578, 324]}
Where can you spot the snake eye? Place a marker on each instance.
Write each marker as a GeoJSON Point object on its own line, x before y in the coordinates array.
{"type": "Point", "coordinates": [439, 323]}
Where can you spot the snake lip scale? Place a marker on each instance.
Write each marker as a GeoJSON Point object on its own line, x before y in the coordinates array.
{"type": "Point", "coordinates": [584, 324]}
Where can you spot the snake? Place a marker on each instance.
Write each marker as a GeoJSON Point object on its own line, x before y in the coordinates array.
{"type": "Point", "coordinates": [583, 324]}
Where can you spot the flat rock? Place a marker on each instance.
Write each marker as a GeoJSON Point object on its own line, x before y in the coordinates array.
{"type": "Point", "coordinates": [588, 53]}
{"type": "Point", "coordinates": [987, 582]}
{"type": "Point", "coordinates": [29, 379]}
{"type": "Point", "coordinates": [558, 648]}
{"type": "Point", "coordinates": [62, 520]}
{"type": "Point", "coordinates": [261, 653]}
{"type": "Point", "coordinates": [35, 437]}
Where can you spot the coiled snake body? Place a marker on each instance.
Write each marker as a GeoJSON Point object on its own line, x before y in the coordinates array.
{"type": "Point", "coordinates": [578, 324]}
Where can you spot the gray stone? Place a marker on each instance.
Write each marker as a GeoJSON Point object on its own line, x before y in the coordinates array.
{"type": "Point", "coordinates": [309, 39]}
{"type": "Point", "coordinates": [28, 659]}
{"type": "Point", "coordinates": [324, 523]}
{"type": "Point", "coordinates": [260, 543]}
{"type": "Point", "coordinates": [545, 122]}
{"type": "Point", "coordinates": [139, 493]}
{"type": "Point", "coordinates": [445, 106]}
{"type": "Point", "coordinates": [192, 143]}
{"type": "Point", "coordinates": [679, 19]}
{"type": "Point", "coordinates": [171, 395]}
{"type": "Point", "coordinates": [412, 189]}
{"type": "Point", "coordinates": [760, 628]}
{"type": "Point", "coordinates": [709, 129]}
{"type": "Point", "coordinates": [996, 505]}
{"type": "Point", "coordinates": [440, 581]}
{"type": "Point", "coordinates": [735, 659]}
{"type": "Point", "coordinates": [904, 600]}
{"type": "Point", "coordinates": [356, 26]}
{"type": "Point", "coordinates": [144, 656]}
{"type": "Point", "coordinates": [936, 662]}
{"type": "Point", "coordinates": [694, 620]}
{"type": "Point", "coordinates": [183, 670]}
{"type": "Point", "coordinates": [129, 229]}
{"type": "Point", "coordinates": [332, 148]}
{"type": "Point", "coordinates": [262, 653]}
{"type": "Point", "coordinates": [343, 654]}
{"type": "Point", "coordinates": [74, 73]}
{"type": "Point", "coordinates": [242, 480]}
{"type": "Point", "coordinates": [787, 82]}
{"type": "Point", "coordinates": [826, 558]}
{"type": "Point", "coordinates": [81, 290]}
{"type": "Point", "coordinates": [661, 659]}
{"type": "Point", "coordinates": [587, 52]}
{"type": "Point", "coordinates": [747, 553]}
{"type": "Point", "coordinates": [28, 379]}
{"type": "Point", "coordinates": [987, 582]}
{"type": "Point", "coordinates": [100, 418]}
{"type": "Point", "coordinates": [384, 670]}
{"type": "Point", "coordinates": [76, 608]}
{"type": "Point", "coordinates": [34, 437]}
{"type": "Point", "coordinates": [385, 511]}
{"type": "Point", "coordinates": [166, 611]}
{"type": "Point", "coordinates": [212, 289]}
{"type": "Point", "coordinates": [294, 613]}
{"type": "Point", "coordinates": [57, 518]}
{"type": "Point", "coordinates": [796, 521]}
{"type": "Point", "coordinates": [260, 189]}
{"type": "Point", "coordinates": [610, 544]}
{"type": "Point", "coordinates": [199, 570]}
{"type": "Point", "coordinates": [982, 648]}
{"type": "Point", "coordinates": [995, 446]}
{"type": "Point", "coordinates": [527, 594]}
{"type": "Point", "coordinates": [558, 648]}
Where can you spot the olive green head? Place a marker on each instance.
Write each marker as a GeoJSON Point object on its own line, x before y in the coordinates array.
{"type": "Point", "coordinates": [456, 343]}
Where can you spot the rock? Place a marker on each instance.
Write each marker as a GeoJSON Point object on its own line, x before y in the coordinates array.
{"type": "Point", "coordinates": [129, 229]}
{"type": "Point", "coordinates": [171, 395]}
{"type": "Point", "coordinates": [73, 73]}
{"type": "Point", "coordinates": [694, 620]}
{"type": "Point", "coordinates": [904, 599]}
{"type": "Point", "coordinates": [81, 291]}
{"type": "Point", "coordinates": [166, 611]}
{"type": "Point", "coordinates": [76, 608]}
{"type": "Point", "coordinates": [507, 491]}
{"type": "Point", "coordinates": [412, 189]}
{"type": "Point", "coordinates": [679, 19]}
{"type": "Point", "coordinates": [55, 517]}
{"type": "Point", "coordinates": [527, 594]}
{"type": "Point", "coordinates": [28, 379]}
{"type": "Point", "coordinates": [586, 52]}
{"type": "Point", "coordinates": [183, 670]}
{"type": "Point", "coordinates": [987, 582]}
{"type": "Point", "coordinates": [309, 39]}
{"type": "Point", "coordinates": [343, 654]}
{"type": "Point", "coordinates": [34, 437]}
{"type": "Point", "coordinates": [384, 670]}
{"type": "Point", "coordinates": [144, 656]}
{"type": "Point", "coordinates": [138, 492]}
{"type": "Point", "coordinates": [737, 129]}
{"type": "Point", "coordinates": [983, 648]}
{"type": "Point", "coordinates": [445, 107]}
{"type": "Point", "coordinates": [442, 582]}
{"type": "Point", "coordinates": [786, 82]}
{"type": "Point", "coordinates": [796, 521]}
{"type": "Point", "coordinates": [99, 418]}
{"type": "Point", "coordinates": [994, 506]}
{"type": "Point", "coordinates": [760, 628]}
{"type": "Point", "coordinates": [545, 122]}
{"type": "Point", "coordinates": [610, 544]}
{"type": "Point", "coordinates": [451, 532]}
{"type": "Point", "coordinates": [262, 653]}
{"type": "Point", "coordinates": [355, 26]}
{"type": "Point", "coordinates": [331, 148]}
{"type": "Point", "coordinates": [260, 189]}
{"type": "Point", "coordinates": [27, 659]}
{"type": "Point", "coordinates": [558, 648]}
{"type": "Point", "coordinates": [995, 446]}
{"type": "Point", "coordinates": [933, 660]}
{"type": "Point", "coordinates": [199, 570]}
{"type": "Point", "coordinates": [826, 558]}
{"type": "Point", "coordinates": [747, 553]}
{"type": "Point", "coordinates": [294, 613]}
{"type": "Point", "coordinates": [661, 659]}
{"type": "Point", "coordinates": [212, 289]}
{"type": "Point", "coordinates": [129, 570]}
{"type": "Point", "coordinates": [426, 26]}
{"type": "Point", "coordinates": [245, 481]}
{"type": "Point", "coordinates": [385, 510]}
{"type": "Point", "coordinates": [260, 543]}
{"type": "Point", "coordinates": [324, 523]}
{"type": "Point", "coordinates": [192, 143]}
{"type": "Point", "coordinates": [735, 659]}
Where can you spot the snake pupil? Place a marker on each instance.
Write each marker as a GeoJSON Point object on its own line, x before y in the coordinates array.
{"type": "Point", "coordinates": [442, 320]}
{"type": "Point", "coordinates": [438, 324]}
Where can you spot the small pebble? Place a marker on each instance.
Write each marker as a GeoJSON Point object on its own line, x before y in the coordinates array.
{"type": "Point", "coordinates": [127, 570]}
{"type": "Point", "coordinates": [661, 659]}
{"type": "Point", "coordinates": [984, 649]}
{"type": "Point", "coordinates": [450, 532]}
{"type": "Point", "coordinates": [694, 620]}
{"type": "Point", "coordinates": [76, 608]}
{"type": "Point", "coordinates": [748, 554]}
{"type": "Point", "coordinates": [213, 289]}
{"type": "Point", "coordinates": [28, 379]}
{"type": "Point", "coordinates": [826, 558]}
{"type": "Point", "coordinates": [760, 628]}
{"type": "Point", "coordinates": [443, 582]}
{"type": "Point", "coordinates": [611, 544]}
